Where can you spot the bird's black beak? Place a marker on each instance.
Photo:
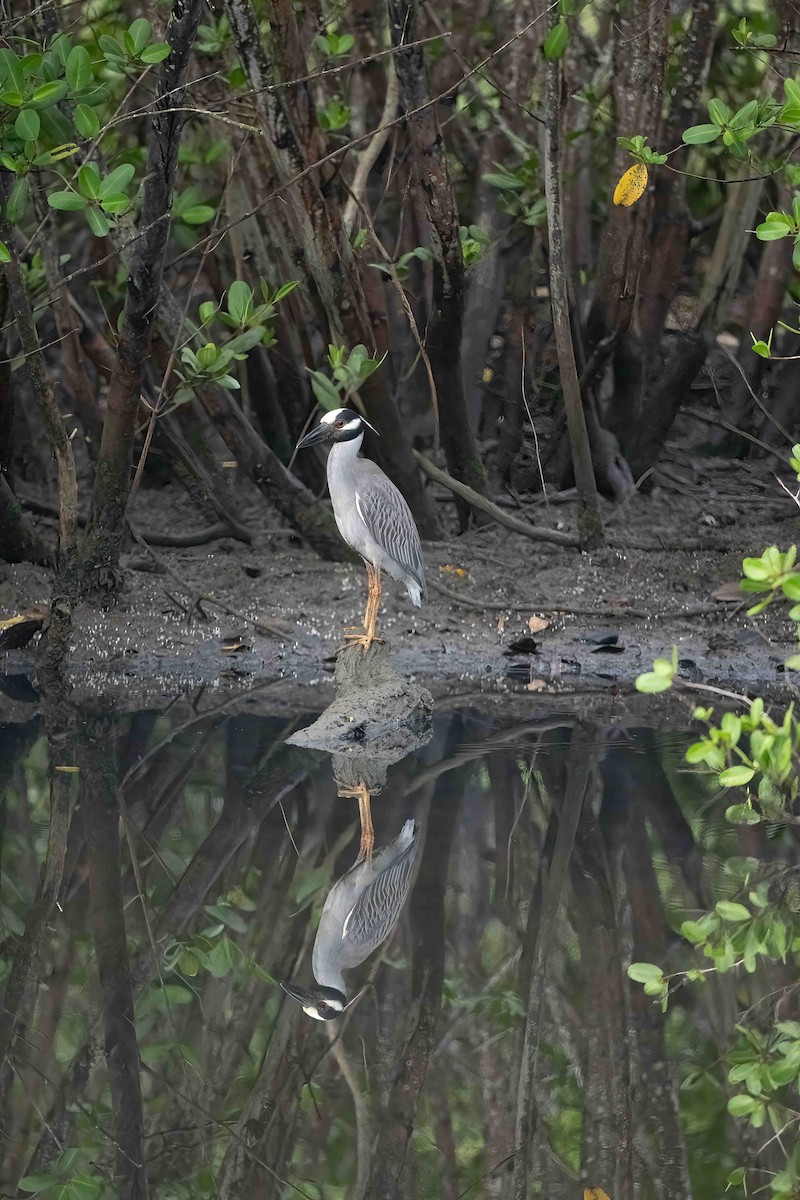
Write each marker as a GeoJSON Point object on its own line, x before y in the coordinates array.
{"type": "Point", "coordinates": [319, 433]}
{"type": "Point", "coordinates": [302, 995]}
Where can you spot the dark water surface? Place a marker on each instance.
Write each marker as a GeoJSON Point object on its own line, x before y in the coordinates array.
{"type": "Point", "coordinates": [499, 1048]}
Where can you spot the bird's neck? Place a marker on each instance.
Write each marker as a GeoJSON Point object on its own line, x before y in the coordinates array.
{"type": "Point", "coordinates": [344, 453]}
{"type": "Point", "coordinates": [330, 976]}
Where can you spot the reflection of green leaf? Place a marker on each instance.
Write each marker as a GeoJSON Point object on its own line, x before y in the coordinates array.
{"type": "Point", "coordinates": [37, 1183]}
{"type": "Point", "coordinates": [312, 883]}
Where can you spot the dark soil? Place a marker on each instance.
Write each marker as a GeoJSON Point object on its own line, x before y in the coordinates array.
{"type": "Point", "coordinates": [608, 613]}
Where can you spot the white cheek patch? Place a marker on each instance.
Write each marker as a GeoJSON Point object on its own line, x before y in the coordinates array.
{"type": "Point", "coordinates": [353, 424]}
{"type": "Point", "coordinates": [330, 417]}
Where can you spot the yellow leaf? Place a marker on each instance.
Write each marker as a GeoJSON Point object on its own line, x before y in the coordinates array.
{"type": "Point", "coordinates": [68, 770]}
{"type": "Point", "coordinates": [461, 572]}
{"type": "Point", "coordinates": [595, 1194]}
{"type": "Point", "coordinates": [629, 189]}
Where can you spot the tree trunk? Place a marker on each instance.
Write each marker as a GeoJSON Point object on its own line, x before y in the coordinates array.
{"type": "Point", "coordinates": [112, 482]}
{"type": "Point", "coordinates": [590, 529]}
{"type": "Point", "coordinates": [445, 327]}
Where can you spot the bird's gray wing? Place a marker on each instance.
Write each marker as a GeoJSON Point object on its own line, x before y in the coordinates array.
{"type": "Point", "coordinates": [377, 910]}
{"type": "Point", "coordinates": [388, 518]}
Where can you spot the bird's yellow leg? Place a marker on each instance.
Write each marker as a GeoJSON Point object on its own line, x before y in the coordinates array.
{"type": "Point", "coordinates": [372, 606]}
{"type": "Point", "coordinates": [366, 635]}
{"type": "Point", "coordinates": [362, 793]}
{"type": "Point", "coordinates": [367, 831]}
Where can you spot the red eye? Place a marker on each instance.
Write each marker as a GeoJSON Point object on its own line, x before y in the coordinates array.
{"type": "Point", "coordinates": [340, 424]}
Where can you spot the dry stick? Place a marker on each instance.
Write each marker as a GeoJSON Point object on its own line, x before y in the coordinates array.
{"type": "Point", "coordinates": [701, 416]}
{"type": "Point", "coordinates": [530, 416]}
{"type": "Point", "coordinates": [412, 321]}
{"type": "Point", "coordinates": [589, 524]}
{"type": "Point", "coordinates": [773, 420]}
{"type": "Point", "coordinates": [370, 156]}
{"type": "Point", "coordinates": [534, 606]}
{"type": "Point", "coordinates": [536, 532]}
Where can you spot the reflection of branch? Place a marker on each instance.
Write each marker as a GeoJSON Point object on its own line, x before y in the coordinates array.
{"type": "Point", "coordinates": [361, 1107]}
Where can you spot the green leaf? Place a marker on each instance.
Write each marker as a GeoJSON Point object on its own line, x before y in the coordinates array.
{"type": "Point", "coordinates": [86, 120]}
{"type": "Point", "coordinates": [89, 181]}
{"type": "Point", "coordinates": [49, 94]}
{"type": "Point", "coordinates": [84, 1187]}
{"type": "Point", "coordinates": [653, 681]}
{"type": "Point", "coordinates": [37, 1183]}
{"type": "Point", "coordinates": [645, 972]}
{"type": "Point", "coordinates": [18, 200]}
{"type": "Point", "coordinates": [116, 181]}
{"type": "Point", "coordinates": [325, 393]}
{"type": "Point", "coordinates": [11, 71]}
{"type": "Point", "coordinates": [5, 253]}
{"type": "Point", "coordinates": [729, 910]}
{"type": "Point", "coordinates": [139, 32]}
{"type": "Point", "coordinates": [66, 201]}
{"type": "Point", "coordinates": [776, 226]}
{"type": "Point", "coordinates": [736, 776]}
{"type": "Point", "coordinates": [719, 112]}
{"type": "Point", "coordinates": [115, 204]}
{"type": "Point", "coordinates": [745, 116]}
{"type": "Point", "coordinates": [699, 135]}
{"type": "Point", "coordinates": [240, 301]}
{"type": "Point", "coordinates": [78, 69]}
{"type": "Point", "coordinates": [693, 932]}
{"type": "Point", "coordinates": [742, 1106]}
{"type": "Point", "coordinates": [556, 41]}
{"type": "Point", "coordinates": [27, 124]}
{"type": "Point", "coordinates": [197, 214]}
{"type": "Point", "coordinates": [155, 53]}
{"type": "Point", "coordinates": [97, 222]}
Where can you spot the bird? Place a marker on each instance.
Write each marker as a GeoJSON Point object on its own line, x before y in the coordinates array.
{"type": "Point", "coordinates": [371, 514]}
{"type": "Point", "coordinates": [361, 910]}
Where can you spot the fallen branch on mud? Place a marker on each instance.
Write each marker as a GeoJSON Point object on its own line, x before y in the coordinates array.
{"type": "Point", "coordinates": [535, 606]}
{"type": "Point", "coordinates": [537, 533]}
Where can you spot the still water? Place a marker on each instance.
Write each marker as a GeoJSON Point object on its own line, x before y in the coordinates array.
{"type": "Point", "coordinates": [495, 1045]}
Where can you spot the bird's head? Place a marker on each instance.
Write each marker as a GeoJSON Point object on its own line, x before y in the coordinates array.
{"type": "Point", "coordinates": [321, 1003]}
{"type": "Point", "coordinates": [340, 425]}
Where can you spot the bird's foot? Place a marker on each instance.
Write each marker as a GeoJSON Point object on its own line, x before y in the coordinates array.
{"type": "Point", "coordinates": [360, 635]}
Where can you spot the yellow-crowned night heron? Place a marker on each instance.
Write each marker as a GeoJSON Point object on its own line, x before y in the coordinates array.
{"type": "Point", "coordinates": [372, 516]}
{"type": "Point", "coordinates": [361, 910]}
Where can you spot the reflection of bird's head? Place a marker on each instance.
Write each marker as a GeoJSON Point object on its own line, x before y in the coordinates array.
{"type": "Point", "coordinates": [341, 425]}
{"type": "Point", "coordinates": [321, 1003]}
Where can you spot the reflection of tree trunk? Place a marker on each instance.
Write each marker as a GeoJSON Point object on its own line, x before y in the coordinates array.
{"type": "Point", "coordinates": [539, 934]}
{"type": "Point", "coordinates": [99, 797]}
{"type": "Point", "coordinates": [418, 1040]}
{"type": "Point", "coordinates": [23, 979]}
{"type": "Point", "coordinates": [607, 1150]}
{"type": "Point", "coordinates": [655, 1091]}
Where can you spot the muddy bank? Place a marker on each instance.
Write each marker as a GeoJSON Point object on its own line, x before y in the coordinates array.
{"type": "Point", "coordinates": [504, 612]}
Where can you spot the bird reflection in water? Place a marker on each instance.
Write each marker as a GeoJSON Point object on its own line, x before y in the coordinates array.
{"type": "Point", "coordinates": [360, 912]}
